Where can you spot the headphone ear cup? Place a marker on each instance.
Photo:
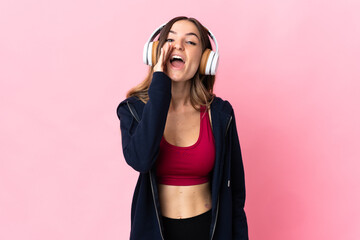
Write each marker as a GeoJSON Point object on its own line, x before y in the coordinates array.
{"type": "Point", "coordinates": [154, 53]}
{"type": "Point", "coordinates": [208, 62]}
{"type": "Point", "coordinates": [149, 53]}
{"type": "Point", "coordinates": [145, 53]}
{"type": "Point", "coordinates": [212, 63]}
{"type": "Point", "coordinates": [203, 61]}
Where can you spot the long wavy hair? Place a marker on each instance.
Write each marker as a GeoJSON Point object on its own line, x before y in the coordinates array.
{"type": "Point", "coordinates": [201, 89]}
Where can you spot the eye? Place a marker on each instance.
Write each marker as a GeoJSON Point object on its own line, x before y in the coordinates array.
{"type": "Point", "coordinates": [192, 43]}
{"type": "Point", "coordinates": [169, 40]}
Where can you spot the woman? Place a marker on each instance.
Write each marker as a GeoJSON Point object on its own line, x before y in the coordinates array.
{"type": "Point", "coordinates": [191, 183]}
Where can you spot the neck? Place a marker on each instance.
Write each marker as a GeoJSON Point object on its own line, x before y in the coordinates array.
{"type": "Point", "coordinates": [180, 96]}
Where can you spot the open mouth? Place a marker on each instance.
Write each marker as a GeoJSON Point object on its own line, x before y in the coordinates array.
{"type": "Point", "coordinates": [177, 61]}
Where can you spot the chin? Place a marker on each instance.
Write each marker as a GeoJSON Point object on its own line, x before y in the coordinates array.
{"type": "Point", "coordinates": [180, 77]}
{"type": "Point", "coordinates": [177, 77]}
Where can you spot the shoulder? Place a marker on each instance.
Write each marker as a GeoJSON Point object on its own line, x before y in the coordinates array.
{"type": "Point", "coordinates": [132, 99]}
{"type": "Point", "coordinates": [123, 105]}
{"type": "Point", "coordinates": [222, 105]}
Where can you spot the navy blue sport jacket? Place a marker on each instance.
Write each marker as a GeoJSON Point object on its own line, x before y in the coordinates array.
{"type": "Point", "coordinates": [142, 126]}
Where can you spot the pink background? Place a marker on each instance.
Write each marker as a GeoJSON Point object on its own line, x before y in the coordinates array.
{"type": "Point", "coordinates": [289, 68]}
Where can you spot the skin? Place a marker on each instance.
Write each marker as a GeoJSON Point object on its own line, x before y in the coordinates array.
{"type": "Point", "coordinates": [183, 121]}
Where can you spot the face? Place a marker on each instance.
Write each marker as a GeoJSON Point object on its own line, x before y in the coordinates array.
{"type": "Point", "coordinates": [185, 57]}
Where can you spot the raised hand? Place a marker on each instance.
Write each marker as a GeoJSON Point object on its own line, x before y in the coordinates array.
{"type": "Point", "coordinates": [165, 52]}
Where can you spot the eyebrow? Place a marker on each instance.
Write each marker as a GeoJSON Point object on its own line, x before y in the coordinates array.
{"type": "Point", "coordinates": [190, 33]}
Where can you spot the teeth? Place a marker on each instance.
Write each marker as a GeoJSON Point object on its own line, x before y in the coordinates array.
{"type": "Point", "coordinates": [177, 57]}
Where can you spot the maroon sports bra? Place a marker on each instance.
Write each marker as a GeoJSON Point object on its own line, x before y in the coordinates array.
{"type": "Point", "coordinates": [184, 166]}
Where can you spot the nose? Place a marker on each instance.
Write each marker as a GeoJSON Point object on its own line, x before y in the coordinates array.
{"type": "Point", "coordinates": [178, 44]}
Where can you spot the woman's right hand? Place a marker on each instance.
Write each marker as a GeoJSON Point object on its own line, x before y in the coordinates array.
{"type": "Point", "coordinates": [165, 52]}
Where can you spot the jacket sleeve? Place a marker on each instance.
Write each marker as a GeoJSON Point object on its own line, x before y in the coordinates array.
{"type": "Point", "coordinates": [240, 227]}
{"type": "Point", "coordinates": [140, 142]}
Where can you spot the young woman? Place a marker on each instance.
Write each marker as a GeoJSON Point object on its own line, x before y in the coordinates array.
{"type": "Point", "coordinates": [183, 140]}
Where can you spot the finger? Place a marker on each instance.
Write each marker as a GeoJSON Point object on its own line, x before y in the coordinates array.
{"type": "Point", "coordinates": [168, 52]}
{"type": "Point", "coordinates": [165, 53]}
{"type": "Point", "coordinates": [158, 64]}
{"type": "Point", "coordinates": [163, 58]}
{"type": "Point", "coordinates": [161, 54]}
{"type": "Point", "coordinates": [166, 49]}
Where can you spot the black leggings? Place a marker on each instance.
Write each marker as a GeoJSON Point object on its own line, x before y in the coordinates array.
{"type": "Point", "coordinates": [194, 228]}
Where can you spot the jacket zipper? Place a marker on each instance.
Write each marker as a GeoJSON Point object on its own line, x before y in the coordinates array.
{"type": "Point", "coordinates": [228, 183]}
{"type": "Point", "coordinates": [217, 211]}
{"type": "Point", "coordinates": [217, 208]}
{"type": "Point", "coordinates": [227, 128]}
{"type": "Point", "coordinates": [134, 113]}
{"type": "Point", "coordinates": [157, 214]}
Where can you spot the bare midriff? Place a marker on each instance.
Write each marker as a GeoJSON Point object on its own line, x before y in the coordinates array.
{"type": "Point", "coordinates": [184, 201]}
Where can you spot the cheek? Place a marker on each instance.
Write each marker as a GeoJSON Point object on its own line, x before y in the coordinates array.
{"type": "Point", "coordinates": [197, 57]}
{"type": "Point", "coordinates": [199, 54]}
